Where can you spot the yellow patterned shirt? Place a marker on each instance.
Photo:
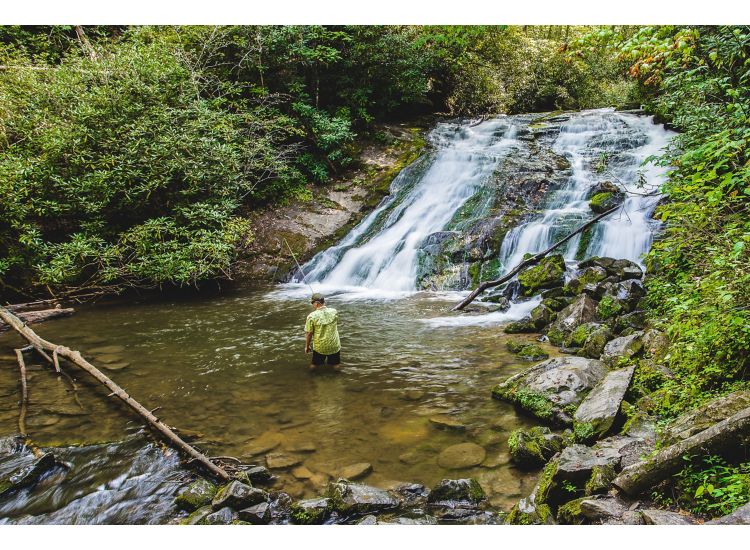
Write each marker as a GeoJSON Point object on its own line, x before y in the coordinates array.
{"type": "Point", "coordinates": [323, 324]}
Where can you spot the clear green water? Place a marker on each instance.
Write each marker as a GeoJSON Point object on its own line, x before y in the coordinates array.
{"type": "Point", "coordinates": [231, 370]}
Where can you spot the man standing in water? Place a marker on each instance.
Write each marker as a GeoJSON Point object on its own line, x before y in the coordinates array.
{"type": "Point", "coordinates": [321, 330]}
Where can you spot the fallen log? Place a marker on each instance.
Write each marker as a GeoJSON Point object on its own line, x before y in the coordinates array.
{"type": "Point", "coordinates": [77, 359]}
{"type": "Point", "coordinates": [30, 317]}
{"type": "Point", "coordinates": [535, 259]}
{"type": "Point", "coordinates": [643, 475]}
{"type": "Point", "coordinates": [24, 393]}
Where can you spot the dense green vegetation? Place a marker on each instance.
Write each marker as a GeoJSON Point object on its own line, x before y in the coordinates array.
{"type": "Point", "coordinates": [698, 79]}
{"type": "Point", "coordinates": [130, 153]}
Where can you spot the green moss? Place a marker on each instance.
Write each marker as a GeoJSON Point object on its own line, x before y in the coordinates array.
{"type": "Point", "coordinates": [536, 403]}
{"type": "Point", "coordinates": [556, 336]}
{"type": "Point", "coordinates": [548, 273]}
{"type": "Point", "coordinates": [608, 307]}
{"type": "Point", "coordinates": [541, 515]}
{"type": "Point", "coordinates": [570, 512]}
{"type": "Point", "coordinates": [546, 482]}
{"type": "Point", "coordinates": [600, 480]}
{"type": "Point", "coordinates": [579, 336]}
{"type": "Point", "coordinates": [604, 201]}
{"type": "Point", "coordinates": [476, 493]}
{"type": "Point", "coordinates": [584, 432]}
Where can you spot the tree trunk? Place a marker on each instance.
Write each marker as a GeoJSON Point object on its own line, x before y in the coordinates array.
{"type": "Point", "coordinates": [530, 261]}
{"type": "Point", "coordinates": [76, 358]}
{"type": "Point", "coordinates": [643, 475]}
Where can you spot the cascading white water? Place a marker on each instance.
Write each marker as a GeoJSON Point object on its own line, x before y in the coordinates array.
{"type": "Point", "coordinates": [465, 157]}
{"type": "Point", "coordinates": [600, 145]}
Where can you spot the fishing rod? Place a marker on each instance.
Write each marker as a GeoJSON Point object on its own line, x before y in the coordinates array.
{"type": "Point", "coordinates": [298, 266]}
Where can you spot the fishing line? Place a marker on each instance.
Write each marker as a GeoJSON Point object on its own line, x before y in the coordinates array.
{"type": "Point", "coordinates": [298, 266]}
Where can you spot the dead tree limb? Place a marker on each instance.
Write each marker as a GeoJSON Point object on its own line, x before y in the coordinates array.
{"type": "Point", "coordinates": [24, 393]}
{"type": "Point", "coordinates": [529, 261]}
{"type": "Point", "coordinates": [643, 475]}
{"type": "Point", "coordinates": [76, 358]}
{"type": "Point", "coordinates": [40, 316]}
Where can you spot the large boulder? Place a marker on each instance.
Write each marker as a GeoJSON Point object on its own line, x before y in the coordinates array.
{"type": "Point", "coordinates": [583, 310]}
{"type": "Point", "coordinates": [596, 413]}
{"type": "Point", "coordinates": [553, 389]}
{"type": "Point", "coordinates": [534, 447]}
{"type": "Point", "coordinates": [357, 499]}
{"type": "Point", "coordinates": [705, 416]}
{"type": "Point", "coordinates": [594, 509]}
{"type": "Point", "coordinates": [622, 349]}
{"type": "Point", "coordinates": [593, 347]}
{"type": "Point", "coordinates": [548, 273]}
{"type": "Point", "coordinates": [653, 516]}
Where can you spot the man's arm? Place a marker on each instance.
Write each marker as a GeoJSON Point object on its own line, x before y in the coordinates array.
{"type": "Point", "coordinates": [308, 339]}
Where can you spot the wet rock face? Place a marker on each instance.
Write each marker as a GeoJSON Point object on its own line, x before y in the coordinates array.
{"type": "Point", "coordinates": [552, 389]}
{"type": "Point", "coordinates": [583, 310]}
{"type": "Point", "coordinates": [223, 516]}
{"type": "Point", "coordinates": [311, 511]}
{"type": "Point", "coordinates": [23, 470]}
{"type": "Point", "coordinates": [548, 273]}
{"type": "Point", "coordinates": [596, 414]}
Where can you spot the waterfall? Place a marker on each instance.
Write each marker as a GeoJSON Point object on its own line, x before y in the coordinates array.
{"type": "Point", "coordinates": [422, 202]}
{"type": "Point", "coordinates": [382, 252]}
{"type": "Point", "coordinates": [600, 145]}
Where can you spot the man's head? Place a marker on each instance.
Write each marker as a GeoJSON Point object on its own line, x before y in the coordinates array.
{"type": "Point", "coordinates": [317, 300]}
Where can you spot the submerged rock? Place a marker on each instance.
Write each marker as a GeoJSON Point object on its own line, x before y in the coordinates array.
{"type": "Point", "coordinates": [447, 423]}
{"type": "Point", "coordinates": [356, 471]}
{"type": "Point", "coordinates": [280, 461]}
{"type": "Point", "coordinates": [596, 413]}
{"type": "Point", "coordinates": [463, 455]}
{"type": "Point", "coordinates": [552, 389]}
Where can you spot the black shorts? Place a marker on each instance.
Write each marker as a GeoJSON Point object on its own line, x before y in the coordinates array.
{"type": "Point", "coordinates": [318, 359]}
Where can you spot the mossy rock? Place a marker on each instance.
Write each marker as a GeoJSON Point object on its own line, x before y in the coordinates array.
{"type": "Point", "coordinates": [600, 480]}
{"type": "Point", "coordinates": [557, 304]}
{"type": "Point", "coordinates": [570, 512]}
{"type": "Point", "coordinates": [540, 514]}
{"type": "Point", "coordinates": [548, 273]}
{"type": "Point", "coordinates": [523, 326]}
{"type": "Point", "coordinates": [594, 344]}
{"type": "Point", "coordinates": [311, 511]}
{"type": "Point", "coordinates": [609, 307]}
{"type": "Point", "coordinates": [199, 493]}
{"type": "Point", "coordinates": [584, 432]}
{"type": "Point", "coordinates": [581, 334]}
{"type": "Point", "coordinates": [601, 202]}
{"type": "Point", "coordinates": [529, 352]}
{"type": "Point", "coordinates": [541, 316]}
{"type": "Point", "coordinates": [534, 447]}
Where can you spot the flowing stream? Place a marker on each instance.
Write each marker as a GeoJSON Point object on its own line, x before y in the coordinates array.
{"type": "Point", "coordinates": [230, 372]}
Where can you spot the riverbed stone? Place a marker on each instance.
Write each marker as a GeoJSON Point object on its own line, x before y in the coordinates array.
{"type": "Point", "coordinates": [527, 351]}
{"type": "Point", "coordinates": [652, 516]}
{"type": "Point", "coordinates": [196, 517]}
{"type": "Point", "coordinates": [463, 455]}
{"type": "Point", "coordinates": [259, 474]}
{"type": "Point", "coordinates": [548, 273]}
{"type": "Point", "coordinates": [27, 474]}
{"type": "Point", "coordinates": [447, 423]}
{"type": "Point", "coordinates": [196, 495]}
{"type": "Point", "coordinates": [534, 447]}
{"type": "Point", "coordinates": [265, 442]}
{"type": "Point", "coordinates": [596, 413]}
{"type": "Point", "coordinates": [358, 499]}
{"type": "Point", "coordinates": [238, 495]}
{"type": "Point", "coordinates": [281, 461]}
{"type": "Point", "coordinates": [356, 471]}
{"type": "Point", "coordinates": [622, 348]}
{"type": "Point", "coordinates": [552, 389]}
{"type": "Point", "coordinates": [301, 472]}
{"type": "Point", "coordinates": [260, 514]}
{"type": "Point", "coordinates": [311, 511]}
{"type": "Point", "coordinates": [410, 494]}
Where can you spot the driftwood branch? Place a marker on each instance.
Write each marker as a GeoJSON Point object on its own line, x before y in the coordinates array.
{"type": "Point", "coordinates": [29, 317]}
{"type": "Point", "coordinates": [529, 261]}
{"type": "Point", "coordinates": [76, 358]}
{"type": "Point", "coordinates": [643, 475]}
{"type": "Point", "coordinates": [24, 393]}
